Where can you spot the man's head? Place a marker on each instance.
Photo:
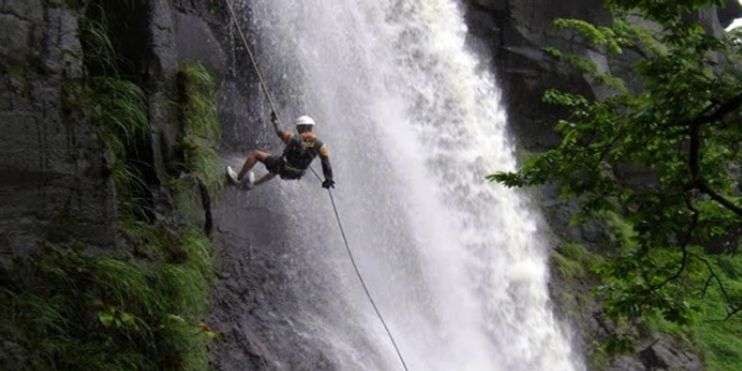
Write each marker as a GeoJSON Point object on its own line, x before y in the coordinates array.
{"type": "Point", "coordinates": [304, 124]}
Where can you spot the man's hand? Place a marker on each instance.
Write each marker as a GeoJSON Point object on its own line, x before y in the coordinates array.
{"type": "Point", "coordinates": [284, 135]}
{"type": "Point", "coordinates": [329, 183]}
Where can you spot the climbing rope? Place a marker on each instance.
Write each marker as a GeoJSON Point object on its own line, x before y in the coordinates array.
{"type": "Point", "coordinates": [254, 62]}
{"type": "Point", "coordinates": [360, 276]}
{"type": "Point", "coordinates": [352, 258]}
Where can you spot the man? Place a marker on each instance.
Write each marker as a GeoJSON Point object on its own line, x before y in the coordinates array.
{"type": "Point", "coordinates": [301, 149]}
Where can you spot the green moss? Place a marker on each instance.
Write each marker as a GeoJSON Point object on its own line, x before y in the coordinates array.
{"type": "Point", "coordinates": [16, 71]}
{"type": "Point", "coordinates": [573, 260]}
{"type": "Point", "coordinates": [187, 200]}
{"type": "Point", "coordinates": [721, 344]}
{"type": "Point", "coordinates": [567, 268]}
{"type": "Point", "coordinates": [623, 234]}
{"type": "Point", "coordinates": [598, 358]}
{"type": "Point", "coordinates": [201, 125]}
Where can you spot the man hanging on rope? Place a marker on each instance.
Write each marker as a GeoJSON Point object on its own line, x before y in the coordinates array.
{"type": "Point", "coordinates": [301, 149]}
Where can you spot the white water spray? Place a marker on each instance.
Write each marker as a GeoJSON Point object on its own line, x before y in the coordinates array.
{"type": "Point", "coordinates": [455, 263]}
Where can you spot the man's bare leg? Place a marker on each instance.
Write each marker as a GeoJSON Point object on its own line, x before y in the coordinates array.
{"type": "Point", "coordinates": [252, 158]}
{"type": "Point", "coordinates": [265, 178]}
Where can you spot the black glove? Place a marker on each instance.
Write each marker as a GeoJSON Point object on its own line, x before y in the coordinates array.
{"type": "Point", "coordinates": [329, 183]}
{"type": "Point", "coordinates": [274, 117]}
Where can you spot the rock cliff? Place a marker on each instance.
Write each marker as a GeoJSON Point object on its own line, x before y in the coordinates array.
{"type": "Point", "coordinates": [51, 163]}
{"type": "Point", "coordinates": [56, 183]}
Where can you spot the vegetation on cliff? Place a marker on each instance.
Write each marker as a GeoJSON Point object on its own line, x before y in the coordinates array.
{"type": "Point", "coordinates": [201, 125]}
{"type": "Point", "coordinates": [662, 156]}
{"type": "Point", "coordinates": [138, 305]}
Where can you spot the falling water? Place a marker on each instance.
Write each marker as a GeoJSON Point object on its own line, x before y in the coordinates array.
{"type": "Point", "coordinates": [455, 262]}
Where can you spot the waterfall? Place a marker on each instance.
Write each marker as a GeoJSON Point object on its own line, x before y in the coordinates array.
{"type": "Point", "coordinates": [457, 264]}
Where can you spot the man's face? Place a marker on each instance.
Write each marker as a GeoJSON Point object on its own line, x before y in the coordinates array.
{"type": "Point", "coordinates": [304, 129]}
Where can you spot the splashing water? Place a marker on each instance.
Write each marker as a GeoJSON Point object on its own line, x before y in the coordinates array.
{"type": "Point", "coordinates": [455, 262]}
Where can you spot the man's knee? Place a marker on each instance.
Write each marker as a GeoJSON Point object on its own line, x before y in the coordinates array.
{"type": "Point", "coordinates": [258, 155]}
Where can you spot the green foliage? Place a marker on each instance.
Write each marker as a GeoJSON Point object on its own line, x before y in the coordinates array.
{"type": "Point", "coordinates": [669, 13]}
{"type": "Point", "coordinates": [598, 36]}
{"type": "Point", "coordinates": [681, 131]}
{"type": "Point", "coordinates": [69, 310]}
{"type": "Point", "coordinates": [202, 128]}
{"type": "Point", "coordinates": [582, 269]}
{"type": "Point", "coordinates": [119, 112]}
{"type": "Point", "coordinates": [215, 6]}
{"type": "Point", "coordinates": [100, 54]}
{"type": "Point", "coordinates": [660, 165]}
{"type": "Point", "coordinates": [575, 262]}
{"type": "Point", "coordinates": [149, 314]}
{"type": "Point", "coordinates": [117, 108]}
{"type": "Point", "coordinates": [719, 340]}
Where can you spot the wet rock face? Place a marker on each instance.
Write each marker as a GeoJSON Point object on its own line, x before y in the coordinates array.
{"type": "Point", "coordinates": [51, 162]}
{"type": "Point", "coordinates": [729, 12]}
{"type": "Point", "coordinates": [252, 303]}
{"type": "Point", "coordinates": [665, 354]}
{"type": "Point", "coordinates": [255, 306]}
{"type": "Point", "coordinates": [513, 34]}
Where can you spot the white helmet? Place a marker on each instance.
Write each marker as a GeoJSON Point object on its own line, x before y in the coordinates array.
{"type": "Point", "coordinates": [305, 121]}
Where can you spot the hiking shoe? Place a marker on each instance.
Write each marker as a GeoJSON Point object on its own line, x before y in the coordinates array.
{"type": "Point", "coordinates": [249, 183]}
{"type": "Point", "coordinates": [232, 176]}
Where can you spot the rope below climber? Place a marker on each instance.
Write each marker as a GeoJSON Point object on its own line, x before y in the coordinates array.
{"type": "Point", "coordinates": [316, 149]}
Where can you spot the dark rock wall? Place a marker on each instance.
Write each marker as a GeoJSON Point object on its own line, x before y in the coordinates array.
{"type": "Point", "coordinates": [513, 33]}
{"type": "Point", "coordinates": [729, 12]}
{"type": "Point", "coordinates": [52, 183]}
{"type": "Point", "coordinates": [55, 182]}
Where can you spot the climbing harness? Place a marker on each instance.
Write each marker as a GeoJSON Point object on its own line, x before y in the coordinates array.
{"type": "Point", "coordinates": [352, 258]}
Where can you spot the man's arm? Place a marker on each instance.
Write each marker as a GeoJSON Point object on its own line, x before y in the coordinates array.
{"type": "Point", "coordinates": [284, 135]}
{"type": "Point", "coordinates": [324, 155]}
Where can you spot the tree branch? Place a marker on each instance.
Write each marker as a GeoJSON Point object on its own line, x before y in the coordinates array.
{"type": "Point", "coordinates": [732, 312]}
{"type": "Point", "coordinates": [706, 286]}
{"type": "Point", "coordinates": [694, 151]}
{"type": "Point", "coordinates": [684, 246]}
{"type": "Point", "coordinates": [723, 109]}
{"type": "Point", "coordinates": [713, 112]}
{"type": "Point", "coordinates": [731, 307]}
{"type": "Point", "coordinates": [703, 187]}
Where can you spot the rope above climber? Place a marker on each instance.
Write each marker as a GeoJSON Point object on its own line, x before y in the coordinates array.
{"type": "Point", "coordinates": [317, 149]}
{"type": "Point", "coordinates": [301, 149]}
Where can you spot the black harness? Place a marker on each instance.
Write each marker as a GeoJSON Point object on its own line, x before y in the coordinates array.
{"type": "Point", "coordinates": [297, 156]}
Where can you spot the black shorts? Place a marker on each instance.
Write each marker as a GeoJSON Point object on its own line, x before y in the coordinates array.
{"type": "Point", "coordinates": [277, 165]}
{"type": "Point", "coordinates": [274, 164]}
